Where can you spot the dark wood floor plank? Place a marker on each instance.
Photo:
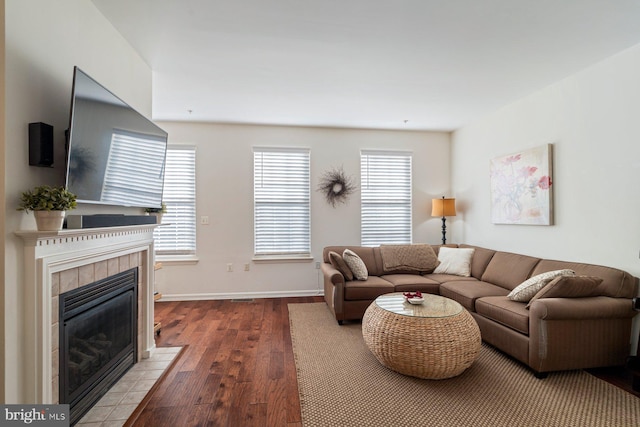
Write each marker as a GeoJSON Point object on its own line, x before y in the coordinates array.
{"type": "Point", "coordinates": [221, 411]}
{"type": "Point", "coordinates": [277, 406]}
{"type": "Point", "coordinates": [257, 415]}
{"type": "Point", "coordinates": [197, 416]}
{"type": "Point", "coordinates": [261, 373]}
{"type": "Point", "coordinates": [247, 343]}
{"type": "Point", "coordinates": [196, 354]}
{"type": "Point", "coordinates": [276, 365]}
{"type": "Point", "coordinates": [209, 390]}
{"type": "Point", "coordinates": [240, 412]}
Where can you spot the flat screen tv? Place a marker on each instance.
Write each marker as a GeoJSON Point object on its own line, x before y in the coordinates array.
{"type": "Point", "coordinates": [116, 156]}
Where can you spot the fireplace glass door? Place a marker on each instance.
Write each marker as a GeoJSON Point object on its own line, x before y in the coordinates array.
{"type": "Point", "coordinates": [97, 340]}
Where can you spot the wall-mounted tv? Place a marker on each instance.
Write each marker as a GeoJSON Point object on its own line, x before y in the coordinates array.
{"type": "Point", "coordinates": [116, 156]}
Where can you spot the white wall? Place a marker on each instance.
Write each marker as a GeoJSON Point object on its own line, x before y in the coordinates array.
{"type": "Point", "coordinates": [44, 40]}
{"type": "Point", "coordinates": [593, 120]}
{"type": "Point", "coordinates": [224, 168]}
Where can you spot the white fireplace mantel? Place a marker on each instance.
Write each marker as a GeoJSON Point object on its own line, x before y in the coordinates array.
{"type": "Point", "coordinates": [48, 253]}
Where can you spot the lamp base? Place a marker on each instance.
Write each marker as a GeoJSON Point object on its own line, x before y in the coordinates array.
{"type": "Point", "coordinates": [444, 231]}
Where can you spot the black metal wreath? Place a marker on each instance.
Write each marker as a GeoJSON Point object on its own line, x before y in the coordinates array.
{"type": "Point", "coordinates": [336, 186]}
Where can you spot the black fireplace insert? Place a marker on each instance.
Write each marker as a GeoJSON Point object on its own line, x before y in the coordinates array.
{"type": "Point", "coordinates": [98, 339]}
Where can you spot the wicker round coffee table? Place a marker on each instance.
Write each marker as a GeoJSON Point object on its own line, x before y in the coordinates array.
{"type": "Point", "coordinates": [434, 340]}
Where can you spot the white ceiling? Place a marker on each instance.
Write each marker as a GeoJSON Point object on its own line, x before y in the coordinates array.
{"type": "Point", "coordinates": [382, 64]}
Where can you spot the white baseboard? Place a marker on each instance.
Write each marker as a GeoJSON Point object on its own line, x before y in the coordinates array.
{"type": "Point", "coordinates": [239, 295]}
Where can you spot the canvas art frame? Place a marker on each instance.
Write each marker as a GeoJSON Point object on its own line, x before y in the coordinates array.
{"type": "Point", "coordinates": [522, 187]}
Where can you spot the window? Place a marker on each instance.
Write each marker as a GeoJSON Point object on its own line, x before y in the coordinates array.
{"type": "Point", "coordinates": [281, 195]}
{"type": "Point", "coordinates": [178, 236]}
{"type": "Point", "coordinates": [385, 197]}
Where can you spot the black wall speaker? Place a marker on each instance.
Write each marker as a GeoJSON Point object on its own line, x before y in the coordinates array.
{"type": "Point", "coordinates": [40, 144]}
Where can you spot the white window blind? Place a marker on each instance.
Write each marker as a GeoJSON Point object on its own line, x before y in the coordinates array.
{"type": "Point", "coordinates": [135, 164]}
{"type": "Point", "coordinates": [281, 194]}
{"type": "Point", "coordinates": [178, 236]}
{"type": "Point", "coordinates": [385, 197]}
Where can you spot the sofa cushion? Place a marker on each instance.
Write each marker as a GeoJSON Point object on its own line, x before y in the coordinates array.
{"type": "Point", "coordinates": [527, 289]}
{"type": "Point", "coordinates": [570, 287]}
{"type": "Point", "coordinates": [508, 270]}
{"type": "Point", "coordinates": [356, 265]}
{"type": "Point", "coordinates": [615, 283]}
{"type": "Point", "coordinates": [412, 282]}
{"type": "Point", "coordinates": [505, 311]}
{"type": "Point", "coordinates": [466, 292]}
{"type": "Point", "coordinates": [481, 258]}
{"type": "Point", "coordinates": [455, 261]}
{"type": "Point", "coordinates": [337, 261]}
{"type": "Point", "coordinates": [408, 258]}
{"type": "Point", "coordinates": [368, 289]}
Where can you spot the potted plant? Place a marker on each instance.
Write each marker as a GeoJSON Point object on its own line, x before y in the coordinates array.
{"type": "Point", "coordinates": [48, 205]}
{"type": "Point", "coordinates": [157, 212]}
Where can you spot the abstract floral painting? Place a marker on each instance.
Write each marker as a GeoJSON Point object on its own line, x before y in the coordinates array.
{"type": "Point", "coordinates": [521, 187]}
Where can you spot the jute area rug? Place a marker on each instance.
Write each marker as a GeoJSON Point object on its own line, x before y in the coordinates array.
{"type": "Point", "coordinates": [342, 384]}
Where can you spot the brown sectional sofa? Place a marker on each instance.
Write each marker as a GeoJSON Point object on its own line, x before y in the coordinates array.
{"type": "Point", "coordinates": [553, 334]}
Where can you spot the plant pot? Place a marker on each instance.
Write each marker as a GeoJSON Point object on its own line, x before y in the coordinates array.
{"type": "Point", "coordinates": [158, 216]}
{"type": "Point", "coordinates": [49, 220]}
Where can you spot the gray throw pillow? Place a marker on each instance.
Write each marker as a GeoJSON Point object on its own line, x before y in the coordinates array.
{"type": "Point", "coordinates": [338, 263]}
{"type": "Point", "coordinates": [569, 287]}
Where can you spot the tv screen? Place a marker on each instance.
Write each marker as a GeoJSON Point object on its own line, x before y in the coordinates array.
{"type": "Point", "coordinates": [115, 155]}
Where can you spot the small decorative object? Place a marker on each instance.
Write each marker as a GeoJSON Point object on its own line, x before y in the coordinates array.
{"type": "Point", "coordinates": [443, 207]}
{"type": "Point", "coordinates": [157, 212]}
{"type": "Point", "coordinates": [521, 191]}
{"type": "Point", "coordinates": [48, 205]}
{"type": "Point", "coordinates": [413, 297]}
{"type": "Point", "coordinates": [336, 186]}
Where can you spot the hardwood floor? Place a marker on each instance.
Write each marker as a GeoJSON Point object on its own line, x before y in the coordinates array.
{"type": "Point", "coordinates": [237, 369]}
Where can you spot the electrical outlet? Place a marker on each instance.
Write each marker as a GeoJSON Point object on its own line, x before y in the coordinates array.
{"type": "Point", "coordinates": [317, 265]}
{"type": "Point", "coordinates": [204, 220]}
{"type": "Point", "coordinates": [247, 266]}
{"type": "Point", "coordinates": [229, 267]}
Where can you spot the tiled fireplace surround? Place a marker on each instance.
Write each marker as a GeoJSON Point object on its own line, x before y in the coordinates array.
{"type": "Point", "coordinates": [57, 262]}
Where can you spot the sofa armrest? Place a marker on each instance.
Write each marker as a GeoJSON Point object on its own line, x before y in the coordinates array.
{"type": "Point", "coordinates": [578, 333]}
{"type": "Point", "coordinates": [581, 308]}
{"type": "Point", "coordinates": [331, 273]}
{"type": "Point", "coordinates": [333, 290]}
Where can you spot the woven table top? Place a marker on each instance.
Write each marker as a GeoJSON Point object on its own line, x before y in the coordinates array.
{"type": "Point", "coordinates": [433, 306]}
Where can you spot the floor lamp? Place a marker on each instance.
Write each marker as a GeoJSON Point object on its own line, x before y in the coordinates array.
{"type": "Point", "coordinates": [443, 208]}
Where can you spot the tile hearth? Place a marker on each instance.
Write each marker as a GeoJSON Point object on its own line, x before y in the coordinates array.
{"type": "Point", "coordinates": [115, 407]}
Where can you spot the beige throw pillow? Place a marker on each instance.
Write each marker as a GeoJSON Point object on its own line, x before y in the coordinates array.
{"type": "Point", "coordinates": [338, 263]}
{"type": "Point", "coordinates": [569, 287]}
{"type": "Point", "coordinates": [527, 289]}
{"type": "Point", "coordinates": [355, 263]}
{"type": "Point", "coordinates": [455, 261]}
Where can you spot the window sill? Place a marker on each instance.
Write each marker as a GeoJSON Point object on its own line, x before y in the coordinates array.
{"type": "Point", "coordinates": [177, 259]}
{"type": "Point", "coordinates": [281, 258]}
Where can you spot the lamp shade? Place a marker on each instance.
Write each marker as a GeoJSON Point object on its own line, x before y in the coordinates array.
{"type": "Point", "coordinates": [443, 207]}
